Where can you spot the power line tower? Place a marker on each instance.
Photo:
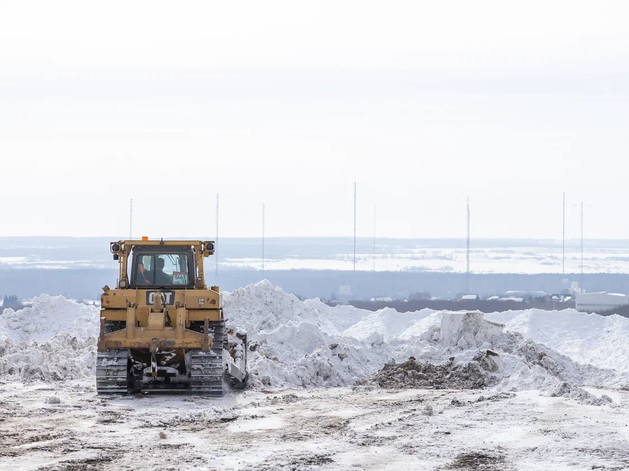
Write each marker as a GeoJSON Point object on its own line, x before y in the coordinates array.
{"type": "Point", "coordinates": [467, 272]}
{"type": "Point", "coordinates": [216, 243]}
{"type": "Point", "coordinates": [131, 219]}
{"type": "Point", "coordinates": [263, 222]}
{"type": "Point", "coordinates": [582, 289]}
{"type": "Point", "coordinates": [354, 226]}
{"type": "Point", "coordinates": [563, 238]}
{"type": "Point", "coordinates": [374, 237]}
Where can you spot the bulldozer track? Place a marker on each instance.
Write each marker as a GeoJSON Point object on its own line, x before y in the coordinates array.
{"type": "Point", "coordinates": [111, 372]}
{"type": "Point", "coordinates": [206, 369]}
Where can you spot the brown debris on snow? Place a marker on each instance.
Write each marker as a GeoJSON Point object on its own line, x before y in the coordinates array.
{"type": "Point", "coordinates": [449, 375]}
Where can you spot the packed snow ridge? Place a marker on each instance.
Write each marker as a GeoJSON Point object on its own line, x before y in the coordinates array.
{"type": "Point", "coordinates": [295, 343]}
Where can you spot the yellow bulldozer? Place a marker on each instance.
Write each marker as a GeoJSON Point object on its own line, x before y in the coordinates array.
{"type": "Point", "coordinates": [162, 328]}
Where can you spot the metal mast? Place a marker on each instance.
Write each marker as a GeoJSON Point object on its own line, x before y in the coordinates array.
{"type": "Point", "coordinates": [374, 237]}
{"type": "Point", "coordinates": [467, 273]}
{"type": "Point", "coordinates": [582, 289]}
{"type": "Point", "coordinates": [563, 238]}
{"type": "Point", "coordinates": [354, 226]}
{"type": "Point", "coordinates": [131, 219]}
{"type": "Point", "coordinates": [263, 211]}
{"type": "Point", "coordinates": [216, 242]}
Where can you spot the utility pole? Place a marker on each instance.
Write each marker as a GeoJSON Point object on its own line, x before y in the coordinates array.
{"type": "Point", "coordinates": [582, 289]}
{"type": "Point", "coordinates": [563, 238]}
{"type": "Point", "coordinates": [216, 243]}
{"type": "Point", "coordinates": [374, 237]}
{"type": "Point", "coordinates": [467, 273]}
{"type": "Point", "coordinates": [131, 219]}
{"type": "Point", "coordinates": [354, 226]}
{"type": "Point", "coordinates": [263, 211]}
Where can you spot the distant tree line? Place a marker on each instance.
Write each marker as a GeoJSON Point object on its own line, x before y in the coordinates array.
{"type": "Point", "coordinates": [11, 301]}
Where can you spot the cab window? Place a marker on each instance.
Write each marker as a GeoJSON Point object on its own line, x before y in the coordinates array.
{"type": "Point", "coordinates": [162, 269]}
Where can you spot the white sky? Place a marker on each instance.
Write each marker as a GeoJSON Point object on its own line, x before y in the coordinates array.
{"type": "Point", "coordinates": [289, 103]}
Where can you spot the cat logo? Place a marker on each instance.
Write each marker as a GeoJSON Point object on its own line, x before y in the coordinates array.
{"type": "Point", "coordinates": [167, 296]}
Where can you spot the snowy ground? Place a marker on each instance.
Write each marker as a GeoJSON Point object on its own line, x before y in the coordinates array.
{"type": "Point", "coordinates": [67, 427]}
{"type": "Point", "coordinates": [332, 388]}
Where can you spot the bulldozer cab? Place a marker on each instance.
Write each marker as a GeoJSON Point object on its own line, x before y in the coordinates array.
{"type": "Point", "coordinates": [154, 264]}
{"type": "Point", "coordinates": [155, 267]}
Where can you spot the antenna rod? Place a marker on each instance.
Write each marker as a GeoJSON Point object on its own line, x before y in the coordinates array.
{"type": "Point", "coordinates": [374, 237]}
{"type": "Point", "coordinates": [582, 289]}
{"type": "Point", "coordinates": [354, 226]}
{"type": "Point", "coordinates": [131, 219]}
{"type": "Point", "coordinates": [563, 238]}
{"type": "Point", "coordinates": [216, 243]}
{"type": "Point", "coordinates": [467, 273]}
{"type": "Point", "coordinates": [263, 211]}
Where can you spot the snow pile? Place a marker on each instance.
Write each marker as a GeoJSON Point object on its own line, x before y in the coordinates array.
{"type": "Point", "coordinates": [467, 351]}
{"type": "Point", "coordinates": [54, 339]}
{"type": "Point", "coordinates": [601, 341]}
{"type": "Point", "coordinates": [48, 316]}
{"type": "Point", "coordinates": [262, 307]}
{"type": "Point", "coordinates": [293, 343]}
{"type": "Point", "coordinates": [389, 324]}
{"type": "Point", "coordinates": [311, 349]}
{"type": "Point", "coordinates": [61, 358]}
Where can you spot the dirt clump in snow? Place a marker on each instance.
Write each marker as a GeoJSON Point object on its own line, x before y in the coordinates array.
{"type": "Point", "coordinates": [580, 395]}
{"type": "Point", "coordinates": [297, 461]}
{"type": "Point", "coordinates": [424, 375]}
{"type": "Point", "coordinates": [479, 461]}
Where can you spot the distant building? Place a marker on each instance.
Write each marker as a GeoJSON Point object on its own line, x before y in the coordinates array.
{"type": "Point", "coordinates": [595, 302]}
{"type": "Point", "coordinates": [525, 294]}
{"type": "Point", "coordinates": [346, 290]}
{"type": "Point", "coordinates": [469, 297]}
{"type": "Point", "coordinates": [513, 298]}
{"type": "Point", "coordinates": [384, 298]}
{"type": "Point", "coordinates": [12, 302]}
{"type": "Point", "coordinates": [506, 298]}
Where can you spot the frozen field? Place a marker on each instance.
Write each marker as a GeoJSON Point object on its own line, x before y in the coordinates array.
{"type": "Point", "coordinates": [331, 388]}
{"type": "Point", "coordinates": [524, 260]}
{"type": "Point", "coordinates": [446, 255]}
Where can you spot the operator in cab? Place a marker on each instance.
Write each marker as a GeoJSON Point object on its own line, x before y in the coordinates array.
{"type": "Point", "coordinates": [144, 274]}
{"type": "Point", "coordinates": [161, 278]}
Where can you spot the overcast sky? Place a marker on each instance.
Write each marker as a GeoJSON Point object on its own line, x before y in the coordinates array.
{"type": "Point", "coordinates": [288, 103]}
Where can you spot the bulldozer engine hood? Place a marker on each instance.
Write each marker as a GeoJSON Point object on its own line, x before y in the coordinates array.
{"type": "Point", "coordinates": [191, 299]}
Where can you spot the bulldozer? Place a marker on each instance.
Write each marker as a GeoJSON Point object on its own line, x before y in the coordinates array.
{"type": "Point", "coordinates": [162, 328]}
